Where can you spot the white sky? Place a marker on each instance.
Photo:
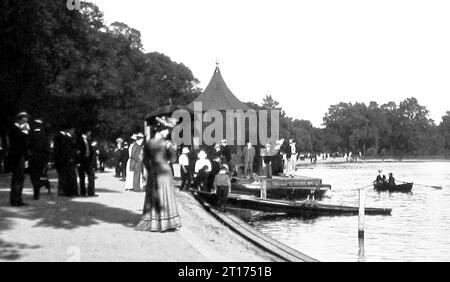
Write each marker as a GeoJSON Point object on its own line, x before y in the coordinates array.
{"type": "Point", "coordinates": [307, 54]}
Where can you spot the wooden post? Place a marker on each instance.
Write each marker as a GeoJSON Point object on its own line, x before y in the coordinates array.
{"type": "Point", "coordinates": [362, 193]}
{"type": "Point", "coordinates": [361, 254]}
{"type": "Point", "coordinates": [263, 189]}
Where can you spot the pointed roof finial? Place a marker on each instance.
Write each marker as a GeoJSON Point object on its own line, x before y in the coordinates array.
{"type": "Point", "coordinates": [217, 62]}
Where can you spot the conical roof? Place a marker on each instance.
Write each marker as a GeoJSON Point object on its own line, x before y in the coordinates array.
{"type": "Point", "coordinates": [218, 96]}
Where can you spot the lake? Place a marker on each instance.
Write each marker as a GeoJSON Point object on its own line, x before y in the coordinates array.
{"type": "Point", "coordinates": [417, 230]}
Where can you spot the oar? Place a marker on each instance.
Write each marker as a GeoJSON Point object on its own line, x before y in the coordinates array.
{"type": "Point", "coordinates": [431, 186]}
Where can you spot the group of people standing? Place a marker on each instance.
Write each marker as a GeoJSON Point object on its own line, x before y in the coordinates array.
{"type": "Point", "coordinates": [280, 158]}
{"type": "Point", "coordinates": [128, 158]}
{"type": "Point", "coordinates": [74, 154]}
{"type": "Point", "coordinates": [30, 152]}
{"type": "Point", "coordinates": [199, 168]}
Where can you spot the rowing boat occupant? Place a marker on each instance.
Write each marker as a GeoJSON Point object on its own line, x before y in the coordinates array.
{"type": "Point", "coordinates": [391, 180]}
{"type": "Point", "coordinates": [379, 177]}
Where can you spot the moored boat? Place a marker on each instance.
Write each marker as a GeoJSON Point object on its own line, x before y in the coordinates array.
{"type": "Point", "coordinates": [298, 188]}
{"type": "Point", "coordinates": [299, 208]}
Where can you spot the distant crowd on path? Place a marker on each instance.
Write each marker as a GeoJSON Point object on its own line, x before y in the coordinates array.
{"type": "Point", "coordinates": [30, 152]}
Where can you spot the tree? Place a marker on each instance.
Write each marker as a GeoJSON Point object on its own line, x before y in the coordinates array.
{"type": "Point", "coordinates": [68, 66]}
{"type": "Point", "coordinates": [444, 130]}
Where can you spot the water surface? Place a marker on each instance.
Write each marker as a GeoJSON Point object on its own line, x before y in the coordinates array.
{"type": "Point", "coordinates": [417, 230]}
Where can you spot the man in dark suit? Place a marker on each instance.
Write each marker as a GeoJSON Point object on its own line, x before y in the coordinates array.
{"type": "Point", "coordinates": [86, 163]}
{"type": "Point", "coordinates": [71, 165]}
{"type": "Point", "coordinates": [59, 160]}
{"type": "Point", "coordinates": [117, 153]}
{"type": "Point", "coordinates": [124, 156]}
{"type": "Point", "coordinates": [226, 151]}
{"type": "Point", "coordinates": [39, 147]}
{"type": "Point", "coordinates": [65, 162]}
{"type": "Point", "coordinates": [17, 156]}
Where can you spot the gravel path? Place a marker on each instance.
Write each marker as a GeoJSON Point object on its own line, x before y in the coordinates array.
{"type": "Point", "coordinates": [102, 229]}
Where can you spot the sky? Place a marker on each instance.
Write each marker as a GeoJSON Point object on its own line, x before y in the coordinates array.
{"type": "Point", "coordinates": [307, 54]}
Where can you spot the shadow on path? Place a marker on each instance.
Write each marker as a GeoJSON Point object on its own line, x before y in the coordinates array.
{"type": "Point", "coordinates": [55, 212]}
{"type": "Point", "coordinates": [11, 251]}
{"type": "Point", "coordinates": [62, 212]}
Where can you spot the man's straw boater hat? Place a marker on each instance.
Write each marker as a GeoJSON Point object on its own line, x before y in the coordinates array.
{"type": "Point", "coordinates": [22, 114]}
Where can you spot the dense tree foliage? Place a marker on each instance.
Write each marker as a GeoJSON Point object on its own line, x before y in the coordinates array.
{"type": "Point", "coordinates": [387, 129]}
{"type": "Point", "coordinates": [68, 66]}
{"type": "Point", "coordinates": [403, 130]}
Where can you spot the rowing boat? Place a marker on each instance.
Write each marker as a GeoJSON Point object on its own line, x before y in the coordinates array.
{"type": "Point", "coordinates": [393, 188]}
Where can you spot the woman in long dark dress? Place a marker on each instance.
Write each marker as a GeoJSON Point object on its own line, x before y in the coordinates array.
{"type": "Point", "coordinates": [160, 207]}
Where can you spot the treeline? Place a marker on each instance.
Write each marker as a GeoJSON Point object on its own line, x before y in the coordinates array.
{"type": "Point", "coordinates": [70, 67]}
{"type": "Point", "coordinates": [403, 130]}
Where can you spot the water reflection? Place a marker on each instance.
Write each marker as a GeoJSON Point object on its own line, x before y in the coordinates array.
{"type": "Point", "coordinates": [361, 257]}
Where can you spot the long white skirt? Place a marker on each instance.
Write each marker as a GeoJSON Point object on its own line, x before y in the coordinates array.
{"type": "Point", "coordinates": [129, 179]}
{"type": "Point", "coordinates": [130, 175]}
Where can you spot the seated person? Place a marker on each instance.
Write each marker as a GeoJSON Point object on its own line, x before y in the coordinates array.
{"type": "Point", "coordinates": [379, 177]}
{"type": "Point", "coordinates": [378, 180]}
{"type": "Point", "coordinates": [202, 169]}
{"type": "Point", "coordinates": [391, 180]}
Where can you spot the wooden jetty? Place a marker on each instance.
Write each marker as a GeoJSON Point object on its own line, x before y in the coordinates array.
{"type": "Point", "coordinates": [299, 208]}
{"type": "Point", "coordinates": [297, 188]}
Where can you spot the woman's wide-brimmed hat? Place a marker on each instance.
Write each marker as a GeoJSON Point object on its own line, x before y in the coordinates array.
{"type": "Point", "coordinates": [139, 136]}
{"type": "Point", "coordinates": [185, 150]}
{"type": "Point", "coordinates": [133, 137]}
{"type": "Point", "coordinates": [166, 122]}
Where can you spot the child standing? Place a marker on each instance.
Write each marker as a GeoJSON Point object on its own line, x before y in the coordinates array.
{"type": "Point", "coordinates": [222, 187]}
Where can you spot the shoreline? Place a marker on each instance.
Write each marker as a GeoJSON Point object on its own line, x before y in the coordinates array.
{"type": "Point", "coordinates": [307, 163]}
{"type": "Point", "coordinates": [102, 229]}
